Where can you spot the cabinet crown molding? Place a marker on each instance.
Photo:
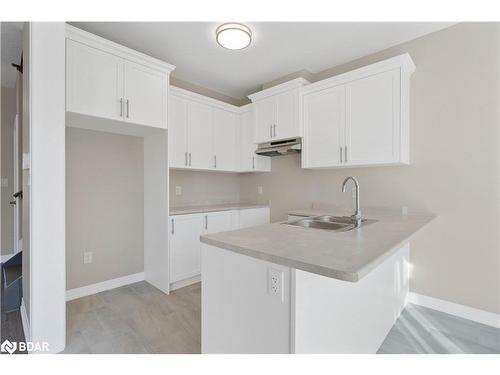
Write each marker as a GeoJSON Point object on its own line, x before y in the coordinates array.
{"type": "Point", "coordinates": [404, 62]}
{"type": "Point", "coordinates": [278, 89]}
{"type": "Point", "coordinates": [183, 93]}
{"type": "Point", "coordinates": [95, 41]}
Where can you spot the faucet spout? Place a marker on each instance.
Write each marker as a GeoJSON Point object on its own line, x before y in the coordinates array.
{"type": "Point", "coordinates": [357, 213]}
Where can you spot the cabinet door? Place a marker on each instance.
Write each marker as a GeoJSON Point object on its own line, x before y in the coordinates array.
{"type": "Point", "coordinates": [94, 82]}
{"type": "Point", "coordinates": [254, 216]}
{"type": "Point", "coordinates": [200, 135]}
{"type": "Point", "coordinates": [265, 118]}
{"type": "Point", "coordinates": [217, 222]}
{"type": "Point", "coordinates": [145, 95]}
{"type": "Point", "coordinates": [249, 160]}
{"type": "Point", "coordinates": [324, 123]}
{"type": "Point", "coordinates": [225, 138]}
{"type": "Point", "coordinates": [287, 124]}
{"type": "Point", "coordinates": [178, 132]}
{"type": "Point", "coordinates": [185, 232]}
{"type": "Point", "coordinates": [373, 119]}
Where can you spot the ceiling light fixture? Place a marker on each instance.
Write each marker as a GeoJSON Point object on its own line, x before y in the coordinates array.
{"type": "Point", "coordinates": [233, 35]}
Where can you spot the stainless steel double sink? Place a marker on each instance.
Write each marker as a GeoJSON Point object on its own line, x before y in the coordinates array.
{"type": "Point", "coordinates": [328, 222]}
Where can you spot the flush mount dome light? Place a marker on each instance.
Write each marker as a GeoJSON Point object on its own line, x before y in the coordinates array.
{"type": "Point", "coordinates": [233, 35]}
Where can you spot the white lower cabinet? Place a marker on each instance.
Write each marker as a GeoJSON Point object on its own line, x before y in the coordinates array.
{"type": "Point", "coordinates": [185, 232]}
{"type": "Point", "coordinates": [184, 244]}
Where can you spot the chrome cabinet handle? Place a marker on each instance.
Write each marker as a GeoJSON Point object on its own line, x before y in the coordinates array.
{"type": "Point", "coordinates": [206, 222]}
{"type": "Point", "coordinates": [253, 162]}
{"type": "Point", "coordinates": [172, 226]}
{"type": "Point", "coordinates": [215, 161]}
{"type": "Point", "coordinates": [128, 107]}
{"type": "Point", "coordinates": [270, 131]}
{"type": "Point", "coordinates": [186, 158]}
{"type": "Point", "coordinates": [121, 107]}
{"type": "Point", "coordinates": [345, 153]}
{"type": "Point", "coordinates": [341, 154]}
{"type": "Point", "coordinates": [274, 131]}
{"type": "Point", "coordinates": [189, 159]}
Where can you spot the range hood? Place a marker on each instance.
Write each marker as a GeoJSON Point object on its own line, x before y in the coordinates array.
{"type": "Point", "coordinates": [278, 148]}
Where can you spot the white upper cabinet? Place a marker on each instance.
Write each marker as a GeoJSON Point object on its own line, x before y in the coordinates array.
{"type": "Point", "coordinates": [178, 132]}
{"type": "Point", "coordinates": [94, 82]}
{"type": "Point", "coordinates": [249, 161]}
{"type": "Point", "coordinates": [206, 134]}
{"type": "Point", "coordinates": [359, 118]}
{"type": "Point", "coordinates": [106, 81]}
{"type": "Point", "coordinates": [324, 124]}
{"type": "Point", "coordinates": [277, 112]}
{"type": "Point", "coordinates": [144, 92]}
{"type": "Point", "coordinates": [265, 119]}
{"type": "Point", "coordinates": [225, 140]}
{"type": "Point", "coordinates": [373, 119]}
{"type": "Point", "coordinates": [199, 117]}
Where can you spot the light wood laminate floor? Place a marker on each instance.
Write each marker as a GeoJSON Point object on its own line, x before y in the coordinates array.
{"type": "Point", "coordinates": [138, 318]}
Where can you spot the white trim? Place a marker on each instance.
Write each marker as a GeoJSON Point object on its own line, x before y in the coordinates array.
{"type": "Point", "coordinates": [4, 258]}
{"type": "Point", "coordinates": [185, 282]}
{"type": "Point", "coordinates": [403, 62]}
{"type": "Point", "coordinates": [278, 89]}
{"type": "Point", "coordinates": [190, 95]}
{"type": "Point", "coordinates": [88, 290]}
{"type": "Point", "coordinates": [25, 321]}
{"type": "Point", "coordinates": [462, 311]}
{"type": "Point", "coordinates": [95, 41]}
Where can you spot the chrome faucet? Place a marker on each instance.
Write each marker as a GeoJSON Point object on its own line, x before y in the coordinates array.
{"type": "Point", "coordinates": [357, 214]}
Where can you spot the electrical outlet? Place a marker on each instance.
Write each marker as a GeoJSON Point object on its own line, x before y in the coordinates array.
{"type": "Point", "coordinates": [87, 257]}
{"type": "Point", "coordinates": [275, 283]}
{"type": "Point", "coordinates": [178, 190]}
{"type": "Point", "coordinates": [4, 182]}
{"type": "Point", "coordinates": [259, 190]}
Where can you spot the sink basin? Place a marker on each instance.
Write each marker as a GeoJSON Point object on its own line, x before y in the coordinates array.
{"type": "Point", "coordinates": [328, 222]}
{"type": "Point", "coordinates": [322, 224]}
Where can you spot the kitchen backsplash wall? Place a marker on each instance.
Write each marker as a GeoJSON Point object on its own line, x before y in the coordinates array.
{"type": "Point", "coordinates": [203, 188]}
{"type": "Point", "coordinates": [454, 171]}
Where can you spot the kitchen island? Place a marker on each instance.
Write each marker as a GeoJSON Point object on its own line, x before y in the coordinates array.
{"type": "Point", "coordinates": [281, 288]}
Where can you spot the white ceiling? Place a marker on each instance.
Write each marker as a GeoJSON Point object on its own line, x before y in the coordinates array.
{"type": "Point", "coordinates": [11, 51]}
{"type": "Point", "coordinates": [278, 48]}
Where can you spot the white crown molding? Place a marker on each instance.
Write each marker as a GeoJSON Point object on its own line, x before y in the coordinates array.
{"type": "Point", "coordinates": [88, 290]}
{"type": "Point", "coordinates": [278, 89]}
{"type": "Point", "coordinates": [190, 95]}
{"type": "Point", "coordinates": [462, 311]}
{"type": "Point", "coordinates": [403, 62]}
{"type": "Point", "coordinates": [95, 41]}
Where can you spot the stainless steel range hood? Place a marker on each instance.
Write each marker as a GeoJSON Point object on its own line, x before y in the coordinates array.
{"type": "Point", "coordinates": [278, 148]}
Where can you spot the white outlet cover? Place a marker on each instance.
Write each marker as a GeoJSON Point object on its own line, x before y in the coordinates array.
{"type": "Point", "coordinates": [259, 190]}
{"type": "Point", "coordinates": [87, 257]}
{"type": "Point", "coordinates": [275, 283]}
{"type": "Point", "coordinates": [178, 190]}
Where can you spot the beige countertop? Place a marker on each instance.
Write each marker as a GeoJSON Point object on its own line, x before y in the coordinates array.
{"type": "Point", "coordinates": [184, 210]}
{"type": "Point", "coordinates": [345, 256]}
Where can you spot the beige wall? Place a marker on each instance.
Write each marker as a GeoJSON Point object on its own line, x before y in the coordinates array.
{"type": "Point", "coordinates": [7, 169]}
{"type": "Point", "coordinates": [203, 188]}
{"type": "Point", "coordinates": [104, 206]}
{"type": "Point", "coordinates": [454, 169]}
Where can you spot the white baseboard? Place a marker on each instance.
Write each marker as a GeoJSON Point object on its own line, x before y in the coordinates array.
{"type": "Point", "coordinates": [25, 321]}
{"type": "Point", "coordinates": [185, 282]}
{"type": "Point", "coordinates": [4, 258]}
{"type": "Point", "coordinates": [462, 311]}
{"type": "Point", "coordinates": [88, 290]}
